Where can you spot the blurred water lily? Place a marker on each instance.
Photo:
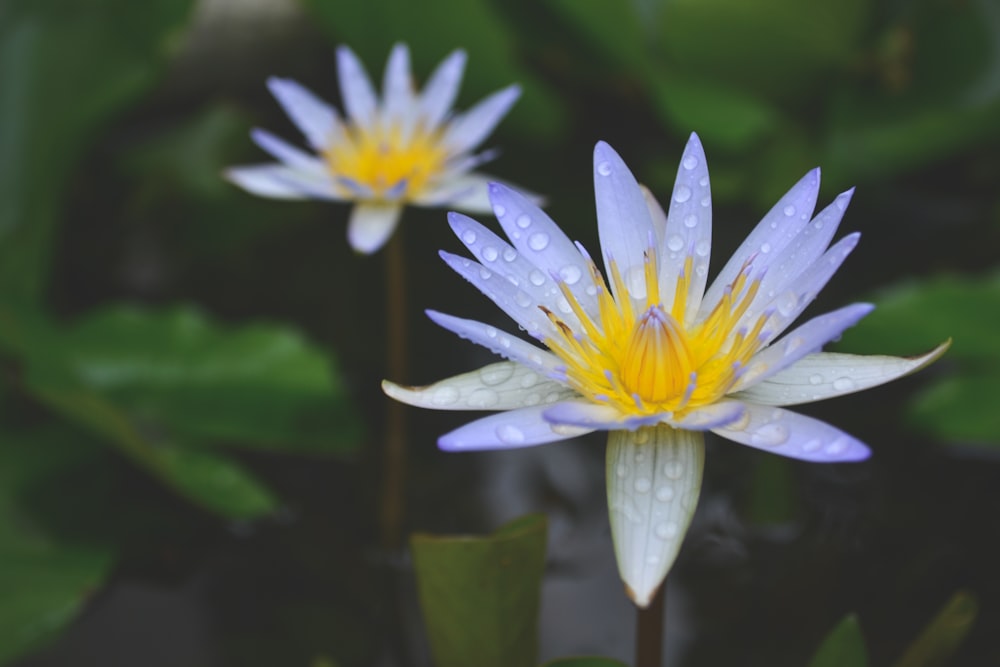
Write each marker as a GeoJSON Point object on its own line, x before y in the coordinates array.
{"type": "Point", "coordinates": [406, 148]}
{"type": "Point", "coordinates": [649, 354]}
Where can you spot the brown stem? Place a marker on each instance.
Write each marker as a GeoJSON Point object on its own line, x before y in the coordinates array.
{"type": "Point", "coordinates": [394, 459]}
{"type": "Point", "coordinates": [649, 631]}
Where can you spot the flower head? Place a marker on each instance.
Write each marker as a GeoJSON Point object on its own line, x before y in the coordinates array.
{"type": "Point", "coordinates": [406, 148]}
{"type": "Point", "coordinates": [648, 353]}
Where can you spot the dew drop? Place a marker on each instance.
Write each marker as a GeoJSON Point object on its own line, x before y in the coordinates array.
{"type": "Point", "coordinates": [701, 270]}
{"type": "Point", "coordinates": [682, 194]}
{"type": "Point", "coordinates": [673, 469]}
{"type": "Point", "coordinates": [675, 242]}
{"type": "Point", "coordinates": [571, 274]}
{"type": "Point", "coordinates": [490, 253]}
{"type": "Point", "coordinates": [496, 374]}
{"type": "Point", "coordinates": [484, 273]}
{"type": "Point", "coordinates": [665, 493]}
{"type": "Point", "coordinates": [536, 277]}
{"type": "Point", "coordinates": [482, 398]}
{"type": "Point", "coordinates": [789, 210]}
{"type": "Point", "coordinates": [635, 281]}
{"type": "Point", "coordinates": [786, 303]}
{"type": "Point", "coordinates": [691, 221]}
{"type": "Point", "coordinates": [843, 384]}
{"type": "Point", "coordinates": [621, 470]}
{"type": "Point", "coordinates": [529, 380]}
{"type": "Point", "coordinates": [838, 446]}
{"type": "Point", "coordinates": [444, 396]}
{"type": "Point", "coordinates": [552, 397]}
{"type": "Point", "coordinates": [510, 434]}
{"type": "Point", "coordinates": [690, 162]}
{"type": "Point", "coordinates": [703, 247]}
{"type": "Point", "coordinates": [491, 332]}
{"type": "Point", "coordinates": [469, 236]}
{"type": "Point", "coordinates": [815, 378]}
{"type": "Point", "coordinates": [812, 445]}
{"type": "Point", "coordinates": [532, 399]}
{"type": "Point", "coordinates": [564, 305]}
{"type": "Point", "coordinates": [769, 435]}
{"type": "Point", "coordinates": [703, 182]}
{"type": "Point", "coordinates": [522, 299]}
{"type": "Point", "coordinates": [499, 211]}
{"type": "Point", "coordinates": [538, 241]}
{"type": "Point", "coordinates": [523, 221]}
{"type": "Point", "coordinates": [706, 202]}
{"type": "Point", "coordinates": [509, 254]}
{"type": "Point", "coordinates": [765, 248]}
{"type": "Point", "coordinates": [643, 485]}
{"type": "Point", "coordinates": [666, 530]}
{"type": "Point", "coordinates": [774, 224]}
{"type": "Point", "coordinates": [591, 290]}
{"type": "Point", "coordinates": [604, 168]}
{"type": "Point", "coordinates": [641, 438]}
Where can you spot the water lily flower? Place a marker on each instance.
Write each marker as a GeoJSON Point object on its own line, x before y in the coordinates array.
{"type": "Point", "coordinates": [648, 354]}
{"type": "Point", "coordinates": [408, 148]}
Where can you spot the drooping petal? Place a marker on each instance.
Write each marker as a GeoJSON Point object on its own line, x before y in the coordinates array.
{"type": "Point", "coordinates": [356, 90]}
{"type": "Point", "coordinates": [288, 154]}
{"type": "Point", "coordinates": [805, 339]}
{"type": "Point", "coordinates": [624, 225]}
{"type": "Point", "coordinates": [371, 225]}
{"type": "Point", "coordinates": [825, 375]}
{"type": "Point", "coordinates": [793, 435]}
{"type": "Point", "coordinates": [442, 88]}
{"type": "Point", "coordinates": [507, 430]}
{"type": "Point", "coordinates": [597, 416]}
{"type": "Point", "coordinates": [279, 181]}
{"type": "Point", "coordinates": [318, 121]}
{"type": "Point", "coordinates": [466, 131]}
{"type": "Point", "coordinates": [500, 342]}
{"type": "Point", "coordinates": [781, 224]}
{"type": "Point", "coordinates": [653, 479]}
{"type": "Point", "coordinates": [397, 86]}
{"type": "Point", "coordinates": [688, 232]}
{"type": "Point", "coordinates": [506, 385]}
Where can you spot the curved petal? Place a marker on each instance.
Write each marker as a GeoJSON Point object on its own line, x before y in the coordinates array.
{"type": "Point", "coordinates": [597, 416]}
{"type": "Point", "coordinates": [806, 339]}
{"type": "Point", "coordinates": [468, 130]}
{"type": "Point", "coordinates": [688, 232]}
{"type": "Point", "coordinates": [829, 374]}
{"type": "Point", "coordinates": [506, 385]}
{"type": "Point", "coordinates": [317, 120]}
{"type": "Point", "coordinates": [653, 479]}
{"type": "Point", "coordinates": [397, 85]}
{"type": "Point", "coordinates": [288, 154]}
{"type": "Point", "coordinates": [356, 90]}
{"type": "Point", "coordinates": [371, 225]}
{"type": "Point", "coordinates": [468, 193]}
{"type": "Point", "coordinates": [793, 435]}
{"type": "Point", "coordinates": [623, 221]}
{"type": "Point", "coordinates": [442, 88]}
{"type": "Point", "coordinates": [710, 416]}
{"type": "Point", "coordinates": [280, 181]}
{"type": "Point", "coordinates": [507, 430]}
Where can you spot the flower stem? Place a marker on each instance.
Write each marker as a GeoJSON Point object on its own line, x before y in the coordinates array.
{"type": "Point", "coordinates": [649, 631]}
{"type": "Point", "coordinates": [394, 456]}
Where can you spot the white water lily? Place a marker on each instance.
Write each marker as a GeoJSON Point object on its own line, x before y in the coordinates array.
{"type": "Point", "coordinates": [648, 354]}
{"type": "Point", "coordinates": [407, 148]}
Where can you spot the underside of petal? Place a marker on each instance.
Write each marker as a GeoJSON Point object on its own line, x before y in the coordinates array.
{"type": "Point", "coordinates": [654, 478]}
{"type": "Point", "coordinates": [508, 430]}
{"type": "Point", "coordinates": [371, 225]}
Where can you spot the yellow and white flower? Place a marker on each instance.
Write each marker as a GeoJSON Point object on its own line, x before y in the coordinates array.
{"type": "Point", "coordinates": [649, 354]}
{"type": "Point", "coordinates": [407, 148]}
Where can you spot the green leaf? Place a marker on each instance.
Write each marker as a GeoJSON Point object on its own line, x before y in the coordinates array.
{"type": "Point", "coordinates": [585, 662]}
{"type": "Point", "coordinates": [432, 28]}
{"type": "Point", "coordinates": [44, 582]}
{"type": "Point", "coordinates": [961, 408]}
{"type": "Point", "coordinates": [944, 634]}
{"type": "Point", "coordinates": [66, 68]}
{"type": "Point", "coordinates": [480, 595]}
{"type": "Point", "coordinates": [843, 647]}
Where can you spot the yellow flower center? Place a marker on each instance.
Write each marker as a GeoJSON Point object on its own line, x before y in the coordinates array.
{"type": "Point", "coordinates": [394, 165]}
{"type": "Point", "coordinates": [644, 360]}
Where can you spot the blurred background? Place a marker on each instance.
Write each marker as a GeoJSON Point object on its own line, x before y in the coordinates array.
{"type": "Point", "coordinates": [191, 419]}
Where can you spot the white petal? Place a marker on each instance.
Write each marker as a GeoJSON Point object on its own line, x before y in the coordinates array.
{"type": "Point", "coordinates": [587, 414]}
{"type": "Point", "coordinates": [466, 131]}
{"type": "Point", "coordinates": [806, 339]}
{"type": "Point", "coordinates": [317, 120]}
{"type": "Point", "coordinates": [356, 91]}
{"type": "Point", "coordinates": [281, 182]}
{"type": "Point", "coordinates": [468, 193]}
{"type": "Point", "coordinates": [825, 375]}
{"type": "Point", "coordinates": [623, 221]}
{"type": "Point", "coordinates": [507, 430]}
{"type": "Point", "coordinates": [506, 385]}
{"type": "Point", "coordinates": [688, 231]}
{"type": "Point", "coordinates": [288, 154]}
{"type": "Point", "coordinates": [371, 225]}
{"type": "Point", "coordinates": [397, 84]}
{"type": "Point", "coordinates": [781, 224]}
{"type": "Point", "coordinates": [653, 479]}
{"type": "Point", "coordinates": [502, 343]}
{"type": "Point", "coordinates": [656, 213]}
{"type": "Point", "coordinates": [793, 435]}
{"type": "Point", "coordinates": [442, 88]}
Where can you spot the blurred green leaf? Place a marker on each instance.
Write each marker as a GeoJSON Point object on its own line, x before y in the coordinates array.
{"type": "Point", "coordinates": [44, 582]}
{"type": "Point", "coordinates": [585, 662]}
{"type": "Point", "coordinates": [944, 634]}
{"type": "Point", "coordinates": [66, 68]}
{"type": "Point", "coordinates": [432, 28]}
{"type": "Point", "coordinates": [773, 497]}
{"type": "Point", "coordinates": [480, 595]}
{"type": "Point", "coordinates": [612, 28]}
{"type": "Point", "coordinates": [843, 647]}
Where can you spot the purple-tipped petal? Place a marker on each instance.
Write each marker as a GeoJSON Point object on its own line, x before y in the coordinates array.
{"type": "Point", "coordinates": [467, 131]}
{"type": "Point", "coordinates": [507, 430]}
{"type": "Point", "coordinates": [371, 225]}
{"type": "Point", "coordinates": [597, 416]}
{"type": "Point", "coordinates": [500, 342]}
{"type": "Point", "coordinates": [442, 88]}
{"type": "Point", "coordinates": [317, 120]}
{"type": "Point", "coordinates": [356, 90]}
{"type": "Point", "coordinates": [709, 417]}
{"type": "Point", "coordinates": [793, 435]}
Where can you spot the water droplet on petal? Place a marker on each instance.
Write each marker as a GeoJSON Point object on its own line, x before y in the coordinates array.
{"type": "Point", "coordinates": [706, 202]}
{"type": "Point", "coordinates": [523, 221]}
{"type": "Point", "coordinates": [496, 374]}
{"type": "Point", "coordinates": [843, 384]}
{"type": "Point", "coordinates": [571, 274]}
{"type": "Point", "coordinates": [673, 469]}
{"type": "Point", "coordinates": [665, 493]}
{"type": "Point", "coordinates": [815, 378]}
{"type": "Point", "coordinates": [490, 253]}
{"type": "Point", "coordinates": [812, 445]}
{"type": "Point", "coordinates": [491, 332]}
{"type": "Point", "coordinates": [703, 247]}
{"type": "Point", "coordinates": [621, 470]}
{"type": "Point", "coordinates": [641, 438]}
{"type": "Point", "coordinates": [765, 248]}
{"type": "Point", "coordinates": [789, 210]}
{"type": "Point", "coordinates": [787, 302]}
{"type": "Point", "coordinates": [690, 162]}
{"type": "Point", "coordinates": [469, 236]}
{"type": "Point", "coordinates": [532, 399]}
{"type": "Point", "coordinates": [537, 278]}
{"type": "Point", "coordinates": [444, 396]}
{"type": "Point", "coordinates": [482, 398]}
{"type": "Point", "coordinates": [675, 242]}
{"type": "Point", "coordinates": [838, 446]}
{"type": "Point", "coordinates": [604, 168]}
{"type": "Point", "coordinates": [701, 269]}
{"type": "Point", "coordinates": [691, 221]}
{"type": "Point", "coordinates": [643, 485]}
{"type": "Point", "coordinates": [510, 434]}
{"type": "Point", "coordinates": [591, 290]}
{"type": "Point", "coordinates": [666, 530]}
{"type": "Point", "coordinates": [522, 299]}
{"type": "Point", "coordinates": [682, 194]}
{"type": "Point", "coordinates": [703, 182]}
{"type": "Point", "coordinates": [769, 435]}
{"type": "Point", "coordinates": [564, 305]}
{"type": "Point", "coordinates": [509, 254]}
{"type": "Point", "coordinates": [538, 241]}
{"type": "Point", "coordinates": [635, 282]}
{"type": "Point", "coordinates": [499, 211]}
{"type": "Point", "coordinates": [529, 380]}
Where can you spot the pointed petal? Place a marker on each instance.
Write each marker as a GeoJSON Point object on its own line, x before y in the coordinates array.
{"type": "Point", "coordinates": [781, 224]}
{"type": "Point", "coordinates": [597, 416]}
{"type": "Point", "coordinates": [825, 375]}
{"type": "Point", "coordinates": [397, 84]}
{"type": "Point", "coordinates": [468, 130]}
{"type": "Point", "coordinates": [371, 225]}
{"type": "Point", "coordinates": [281, 182]}
{"type": "Point", "coordinates": [502, 343]}
{"type": "Point", "coordinates": [507, 430]}
{"type": "Point", "coordinates": [506, 385]}
{"type": "Point", "coordinates": [653, 479]}
{"type": "Point", "coordinates": [318, 121]}
{"type": "Point", "coordinates": [688, 232]}
{"type": "Point", "coordinates": [623, 221]}
{"type": "Point", "coordinates": [656, 213]}
{"type": "Point", "coordinates": [468, 193]}
{"type": "Point", "coordinates": [806, 339]}
{"type": "Point", "coordinates": [793, 435]}
{"type": "Point", "coordinates": [442, 88]}
{"type": "Point", "coordinates": [288, 154]}
{"type": "Point", "coordinates": [356, 91]}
